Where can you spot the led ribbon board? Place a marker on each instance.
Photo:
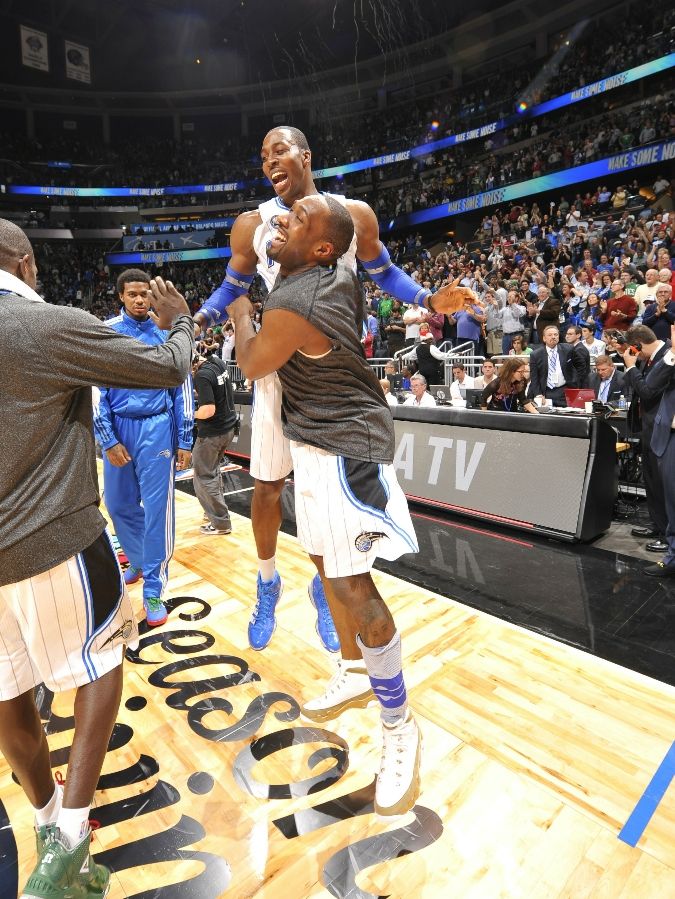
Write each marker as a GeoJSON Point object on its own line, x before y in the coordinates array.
{"type": "Point", "coordinates": [620, 162]}
{"type": "Point", "coordinates": [161, 256]}
{"type": "Point", "coordinates": [149, 228]}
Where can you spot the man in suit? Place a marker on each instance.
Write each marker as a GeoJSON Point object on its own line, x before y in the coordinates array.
{"type": "Point", "coordinates": [546, 310]}
{"type": "Point", "coordinates": [555, 366]}
{"type": "Point", "coordinates": [663, 447]}
{"type": "Point", "coordinates": [573, 338]}
{"type": "Point", "coordinates": [645, 382]}
{"type": "Point", "coordinates": [606, 381]}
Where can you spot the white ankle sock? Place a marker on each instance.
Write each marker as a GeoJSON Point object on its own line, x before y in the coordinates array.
{"type": "Point", "coordinates": [73, 824]}
{"type": "Point", "coordinates": [50, 812]}
{"type": "Point", "coordinates": [267, 568]}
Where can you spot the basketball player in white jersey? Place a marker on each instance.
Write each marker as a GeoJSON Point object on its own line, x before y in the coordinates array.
{"type": "Point", "coordinates": [286, 162]}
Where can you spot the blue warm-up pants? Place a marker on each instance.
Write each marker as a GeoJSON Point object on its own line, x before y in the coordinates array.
{"type": "Point", "coordinates": [140, 496]}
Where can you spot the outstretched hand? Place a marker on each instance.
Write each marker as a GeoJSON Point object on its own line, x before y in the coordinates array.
{"type": "Point", "coordinates": [169, 303]}
{"type": "Point", "coordinates": [452, 298]}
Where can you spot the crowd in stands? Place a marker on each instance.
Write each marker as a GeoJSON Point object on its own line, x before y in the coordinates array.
{"type": "Point", "coordinates": [528, 149]}
{"type": "Point", "coordinates": [70, 273]}
{"type": "Point", "coordinates": [527, 273]}
{"type": "Point", "coordinates": [575, 249]}
{"type": "Point", "coordinates": [337, 141]}
{"type": "Point", "coordinates": [579, 277]}
{"type": "Point", "coordinates": [463, 172]}
{"type": "Point", "coordinates": [493, 95]}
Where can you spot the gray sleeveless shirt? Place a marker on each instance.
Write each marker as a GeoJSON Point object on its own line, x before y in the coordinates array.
{"type": "Point", "coordinates": [334, 402]}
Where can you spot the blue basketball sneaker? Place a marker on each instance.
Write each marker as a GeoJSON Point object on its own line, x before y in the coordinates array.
{"type": "Point", "coordinates": [132, 575]}
{"type": "Point", "coordinates": [324, 620]}
{"type": "Point", "coordinates": [263, 623]}
{"type": "Point", "coordinates": [155, 611]}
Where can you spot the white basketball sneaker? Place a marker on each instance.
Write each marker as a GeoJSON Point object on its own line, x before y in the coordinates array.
{"type": "Point", "coordinates": [349, 688]}
{"type": "Point", "coordinates": [398, 783]}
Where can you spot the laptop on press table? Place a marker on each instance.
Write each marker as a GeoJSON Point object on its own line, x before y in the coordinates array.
{"type": "Point", "coordinates": [576, 397]}
{"type": "Point", "coordinates": [441, 393]}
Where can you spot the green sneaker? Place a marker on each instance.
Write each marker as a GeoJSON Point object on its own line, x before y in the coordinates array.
{"type": "Point", "coordinates": [155, 611]}
{"type": "Point", "coordinates": [63, 873]}
{"type": "Point", "coordinates": [41, 836]}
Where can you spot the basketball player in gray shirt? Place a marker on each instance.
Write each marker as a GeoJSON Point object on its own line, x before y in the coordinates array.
{"type": "Point", "coordinates": [349, 505]}
{"type": "Point", "coordinates": [65, 615]}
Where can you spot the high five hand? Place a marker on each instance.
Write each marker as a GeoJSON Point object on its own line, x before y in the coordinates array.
{"type": "Point", "coordinates": [168, 302]}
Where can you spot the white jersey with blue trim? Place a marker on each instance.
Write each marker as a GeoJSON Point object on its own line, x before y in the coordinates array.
{"type": "Point", "coordinates": [268, 268]}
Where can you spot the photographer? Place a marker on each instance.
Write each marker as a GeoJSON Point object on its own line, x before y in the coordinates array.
{"type": "Point", "coordinates": [663, 447]}
{"type": "Point", "coordinates": [642, 355]}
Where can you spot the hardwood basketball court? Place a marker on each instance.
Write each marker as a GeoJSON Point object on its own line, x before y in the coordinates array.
{"type": "Point", "coordinates": [536, 755]}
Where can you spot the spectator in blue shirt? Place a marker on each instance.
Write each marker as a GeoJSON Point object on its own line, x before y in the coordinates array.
{"type": "Point", "coordinates": [469, 321]}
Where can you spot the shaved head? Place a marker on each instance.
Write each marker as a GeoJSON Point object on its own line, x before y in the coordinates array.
{"type": "Point", "coordinates": [295, 136]}
{"type": "Point", "coordinates": [339, 228]}
{"type": "Point", "coordinates": [14, 245]}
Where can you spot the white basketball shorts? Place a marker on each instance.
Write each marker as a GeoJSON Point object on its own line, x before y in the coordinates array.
{"type": "Point", "coordinates": [270, 450]}
{"type": "Point", "coordinates": [66, 627]}
{"type": "Point", "coordinates": [348, 511]}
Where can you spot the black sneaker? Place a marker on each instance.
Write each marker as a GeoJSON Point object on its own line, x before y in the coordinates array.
{"type": "Point", "coordinates": [660, 570]}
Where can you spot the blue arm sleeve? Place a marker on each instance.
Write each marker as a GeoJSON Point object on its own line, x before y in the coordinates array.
{"type": "Point", "coordinates": [234, 286]}
{"type": "Point", "coordinates": [391, 278]}
{"type": "Point", "coordinates": [103, 429]}
{"type": "Point", "coordinates": [184, 413]}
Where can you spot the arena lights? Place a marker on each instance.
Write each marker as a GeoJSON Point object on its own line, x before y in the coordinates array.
{"type": "Point", "coordinates": [576, 96]}
{"type": "Point", "coordinates": [550, 68]}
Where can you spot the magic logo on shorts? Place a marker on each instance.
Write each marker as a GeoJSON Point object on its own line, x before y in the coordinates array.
{"type": "Point", "coordinates": [364, 542]}
{"type": "Point", "coordinates": [124, 632]}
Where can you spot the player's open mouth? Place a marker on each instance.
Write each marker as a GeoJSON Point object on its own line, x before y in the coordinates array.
{"type": "Point", "coordinates": [279, 179]}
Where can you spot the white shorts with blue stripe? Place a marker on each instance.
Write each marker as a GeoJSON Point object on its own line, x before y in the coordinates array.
{"type": "Point", "coordinates": [349, 512]}
{"type": "Point", "coordinates": [67, 626]}
{"type": "Point", "coordinates": [270, 449]}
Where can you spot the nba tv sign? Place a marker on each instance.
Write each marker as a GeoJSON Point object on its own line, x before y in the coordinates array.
{"type": "Point", "coordinates": [34, 48]}
{"type": "Point", "coordinates": [78, 63]}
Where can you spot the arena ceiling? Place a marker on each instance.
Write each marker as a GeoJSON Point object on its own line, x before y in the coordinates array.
{"type": "Point", "coordinates": [194, 44]}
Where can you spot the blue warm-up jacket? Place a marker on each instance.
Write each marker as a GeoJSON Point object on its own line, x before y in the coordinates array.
{"type": "Point", "coordinates": [143, 403]}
